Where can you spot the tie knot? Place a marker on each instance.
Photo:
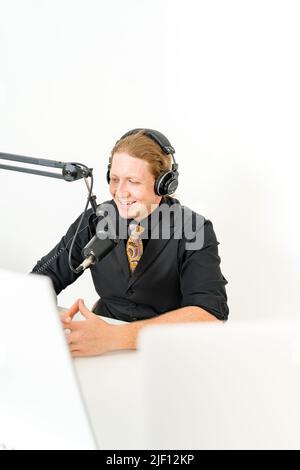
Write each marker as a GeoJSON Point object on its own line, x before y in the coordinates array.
{"type": "Point", "coordinates": [136, 231]}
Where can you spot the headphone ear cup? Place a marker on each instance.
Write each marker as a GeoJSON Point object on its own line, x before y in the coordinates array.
{"type": "Point", "coordinates": [166, 184]}
{"type": "Point", "coordinates": [172, 183]}
{"type": "Point", "coordinates": [158, 188]}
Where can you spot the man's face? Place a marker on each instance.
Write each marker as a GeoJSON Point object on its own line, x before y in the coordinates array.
{"type": "Point", "coordinates": [132, 186]}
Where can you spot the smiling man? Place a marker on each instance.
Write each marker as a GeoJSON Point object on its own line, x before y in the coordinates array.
{"type": "Point", "coordinates": [150, 277]}
{"type": "Point", "coordinates": [131, 186]}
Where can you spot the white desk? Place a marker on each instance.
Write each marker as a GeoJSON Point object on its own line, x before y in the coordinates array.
{"type": "Point", "coordinates": [112, 389]}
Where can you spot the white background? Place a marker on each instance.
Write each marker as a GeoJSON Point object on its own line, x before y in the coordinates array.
{"type": "Point", "coordinates": [219, 78]}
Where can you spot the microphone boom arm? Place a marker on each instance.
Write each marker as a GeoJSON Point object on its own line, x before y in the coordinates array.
{"type": "Point", "coordinates": [70, 171]}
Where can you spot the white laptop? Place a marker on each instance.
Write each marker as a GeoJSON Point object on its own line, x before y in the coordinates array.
{"type": "Point", "coordinates": [223, 386]}
{"type": "Point", "coordinates": [41, 406]}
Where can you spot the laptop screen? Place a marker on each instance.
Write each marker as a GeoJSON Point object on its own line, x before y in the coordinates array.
{"type": "Point", "coordinates": [41, 406]}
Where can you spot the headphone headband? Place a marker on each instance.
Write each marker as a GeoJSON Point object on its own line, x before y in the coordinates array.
{"type": "Point", "coordinates": [157, 136]}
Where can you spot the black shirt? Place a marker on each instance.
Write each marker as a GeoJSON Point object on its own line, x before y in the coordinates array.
{"type": "Point", "coordinates": [168, 276]}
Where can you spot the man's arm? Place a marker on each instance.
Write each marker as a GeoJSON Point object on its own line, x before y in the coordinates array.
{"type": "Point", "coordinates": [126, 336]}
{"type": "Point", "coordinates": [95, 336]}
{"type": "Point", "coordinates": [56, 263]}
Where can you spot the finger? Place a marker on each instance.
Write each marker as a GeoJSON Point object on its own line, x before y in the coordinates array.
{"type": "Point", "coordinates": [76, 354]}
{"type": "Point", "coordinates": [67, 331]}
{"type": "Point", "coordinates": [84, 310]}
{"type": "Point", "coordinates": [69, 314]}
{"type": "Point", "coordinates": [73, 339]}
{"type": "Point", "coordinates": [73, 326]}
{"type": "Point", "coordinates": [74, 348]}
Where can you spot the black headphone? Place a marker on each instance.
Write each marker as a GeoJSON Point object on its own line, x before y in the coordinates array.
{"type": "Point", "coordinates": [167, 182]}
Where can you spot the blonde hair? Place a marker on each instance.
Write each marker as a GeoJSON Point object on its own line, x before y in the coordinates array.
{"type": "Point", "coordinates": [141, 146]}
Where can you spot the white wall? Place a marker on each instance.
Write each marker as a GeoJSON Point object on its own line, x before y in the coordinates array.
{"type": "Point", "coordinates": [219, 78]}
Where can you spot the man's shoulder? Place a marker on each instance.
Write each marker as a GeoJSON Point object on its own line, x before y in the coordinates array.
{"type": "Point", "coordinates": [193, 227]}
{"type": "Point", "coordinates": [175, 204]}
{"type": "Point", "coordinates": [184, 215]}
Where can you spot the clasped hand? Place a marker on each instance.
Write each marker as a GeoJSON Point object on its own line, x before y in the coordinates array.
{"type": "Point", "coordinates": [90, 337]}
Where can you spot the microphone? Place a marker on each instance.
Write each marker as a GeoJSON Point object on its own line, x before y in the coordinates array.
{"type": "Point", "coordinates": [100, 245]}
{"type": "Point", "coordinates": [95, 250]}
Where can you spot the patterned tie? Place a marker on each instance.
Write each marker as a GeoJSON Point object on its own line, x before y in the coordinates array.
{"type": "Point", "coordinates": [134, 246]}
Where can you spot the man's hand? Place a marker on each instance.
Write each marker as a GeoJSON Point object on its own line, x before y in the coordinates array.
{"type": "Point", "coordinates": [67, 315]}
{"type": "Point", "coordinates": [90, 337]}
